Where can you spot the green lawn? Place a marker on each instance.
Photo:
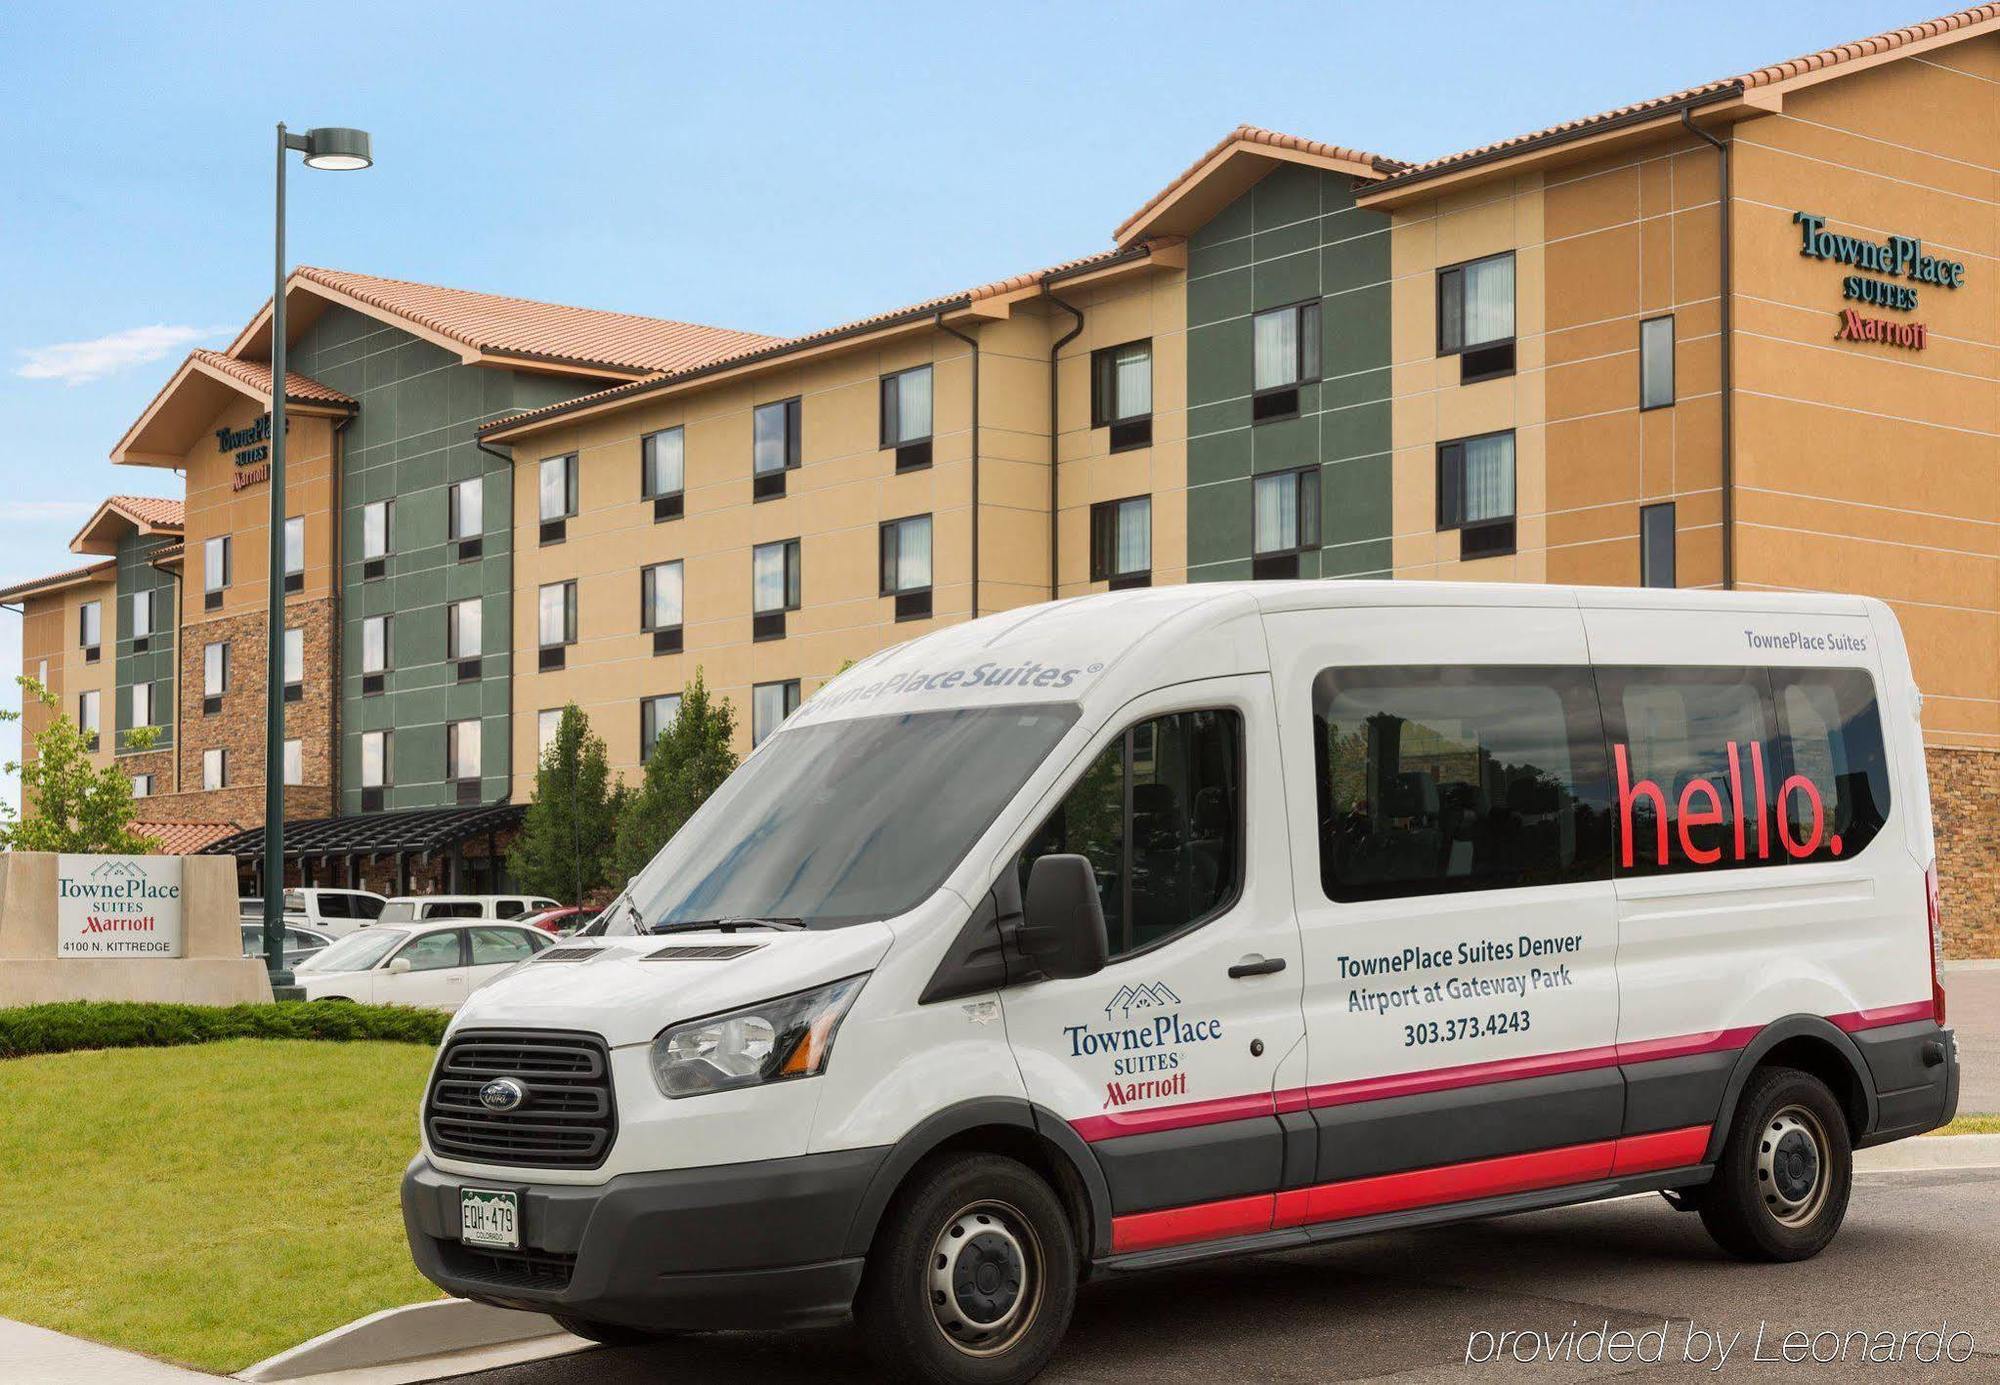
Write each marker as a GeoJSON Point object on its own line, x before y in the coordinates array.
{"type": "Point", "coordinates": [211, 1205]}
{"type": "Point", "coordinates": [1971, 1125]}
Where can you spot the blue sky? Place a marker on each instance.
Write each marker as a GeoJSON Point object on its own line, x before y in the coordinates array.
{"type": "Point", "coordinates": [768, 167]}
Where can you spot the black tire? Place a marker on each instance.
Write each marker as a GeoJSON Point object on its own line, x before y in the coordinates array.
{"type": "Point", "coordinates": [995, 1233]}
{"type": "Point", "coordinates": [609, 1334]}
{"type": "Point", "coordinates": [1781, 1186]}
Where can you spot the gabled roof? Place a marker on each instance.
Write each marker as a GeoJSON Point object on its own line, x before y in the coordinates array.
{"type": "Point", "coordinates": [183, 838]}
{"type": "Point", "coordinates": [1761, 90]}
{"type": "Point", "coordinates": [1227, 170]}
{"type": "Point", "coordinates": [58, 581]}
{"type": "Point", "coordinates": [498, 329]}
{"type": "Point", "coordinates": [188, 403]}
{"type": "Point", "coordinates": [121, 514]}
{"type": "Point", "coordinates": [983, 298]}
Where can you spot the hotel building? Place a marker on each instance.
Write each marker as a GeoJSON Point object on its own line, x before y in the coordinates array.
{"type": "Point", "coordinates": [1739, 336]}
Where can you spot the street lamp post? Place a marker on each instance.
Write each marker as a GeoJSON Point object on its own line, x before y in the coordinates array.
{"type": "Point", "coordinates": [328, 147]}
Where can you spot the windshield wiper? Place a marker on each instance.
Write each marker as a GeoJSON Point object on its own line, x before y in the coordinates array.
{"type": "Point", "coordinates": [730, 925]}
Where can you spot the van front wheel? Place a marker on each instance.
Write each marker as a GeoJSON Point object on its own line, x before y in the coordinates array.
{"type": "Point", "coordinates": [972, 1277]}
{"type": "Point", "coordinates": [1781, 1186]}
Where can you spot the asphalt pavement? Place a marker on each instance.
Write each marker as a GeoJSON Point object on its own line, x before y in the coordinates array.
{"type": "Point", "coordinates": [1917, 1254]}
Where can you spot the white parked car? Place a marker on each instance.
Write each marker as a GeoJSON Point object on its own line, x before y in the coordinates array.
{"type": "Point", "coordinates": [434, 965]}
{"type": "Point", "coordinates": [424, 908]}
{"type": "Point", "coordinates": [301, 942]}
{"type": "Point", "coordinates": [338, 912]}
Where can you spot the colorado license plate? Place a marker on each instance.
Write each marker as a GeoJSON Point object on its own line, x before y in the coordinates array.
{"type": "Point", "coordinates": [489, 1218]}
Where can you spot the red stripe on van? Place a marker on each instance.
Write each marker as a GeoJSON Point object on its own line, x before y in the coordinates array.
{"type": "Point", "coordinates": [1206, 1221]}
{"type": "Point", "coordinates": [1401, 1192]}
{"type": "Point", "coordinates": [1179, 1117]}
{"type": "Point", "coordinates": [1857, 1020]}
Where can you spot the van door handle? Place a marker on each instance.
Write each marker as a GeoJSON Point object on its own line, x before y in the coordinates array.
{"type": "Point", "coordinates": [1263, 966]}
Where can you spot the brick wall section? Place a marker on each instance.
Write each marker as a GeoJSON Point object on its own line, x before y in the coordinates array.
{"type": "Point", "coordinates": [1965, 812]}
{"type": "Point", "coordinates": [238, 728]}
{"type": "Point", "coordinates": [158, 763]}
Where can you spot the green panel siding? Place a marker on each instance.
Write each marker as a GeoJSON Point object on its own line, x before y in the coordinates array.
{"type": "Point", "coordinates": [411, 440]}
{"type": "Point", "coordinates": [1296, 235]}
{"type": "Point", "coordinates": [137, 577]}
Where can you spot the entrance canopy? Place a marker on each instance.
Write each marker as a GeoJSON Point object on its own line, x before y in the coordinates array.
{"type": "Point", "coordinates": [324, 848]}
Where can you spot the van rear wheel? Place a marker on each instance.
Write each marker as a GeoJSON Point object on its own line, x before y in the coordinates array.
{"type": "Point", "coordinates": [973, 1276]}
{"type": "Point", "coordinates": [1781, 1186]}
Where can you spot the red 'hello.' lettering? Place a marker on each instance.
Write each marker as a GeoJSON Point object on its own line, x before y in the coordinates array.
{"type": "Point", "coordinates": [1702, 804]}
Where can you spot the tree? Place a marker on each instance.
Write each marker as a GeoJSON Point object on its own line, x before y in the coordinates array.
{"type": "Point", "coordinates": [688, 763]}
{"type": "Point", "coordinates": [566, 840]}
{"type": "Point", "coordinates": [68, 803]}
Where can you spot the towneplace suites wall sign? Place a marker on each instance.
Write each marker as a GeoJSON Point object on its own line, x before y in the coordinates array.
{"type": "Point", "coordinates": [119, 906]}
{"type": "Point", "coordinates": [252, 446]}
{"type": "Point", "coordinates": [1906, 267]}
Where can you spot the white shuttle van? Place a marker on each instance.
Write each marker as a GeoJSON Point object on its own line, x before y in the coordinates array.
{"type": "Point", "coordinates": [1139, 928]}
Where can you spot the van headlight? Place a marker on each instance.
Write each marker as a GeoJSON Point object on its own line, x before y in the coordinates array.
{"type": "Point", "coordinates": [773, 1041]}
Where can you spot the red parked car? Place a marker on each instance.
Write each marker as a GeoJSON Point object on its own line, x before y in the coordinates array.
{"type": "Point", "coordinates": [560, 921]}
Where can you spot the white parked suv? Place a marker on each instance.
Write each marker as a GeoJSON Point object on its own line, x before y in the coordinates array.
{"type": "Point", "coordinates": [338, 912]}
{"type": "Point", "coordinates": [434, 965]}
{"type": "Point", "coordinates": [423, 908]}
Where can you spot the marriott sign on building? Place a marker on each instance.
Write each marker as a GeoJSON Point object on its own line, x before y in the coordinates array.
{"type": "Point", "coordinates": [1745, 335]}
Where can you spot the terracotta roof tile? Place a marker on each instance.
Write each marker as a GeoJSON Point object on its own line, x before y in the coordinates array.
{"type": "Point", "coordinates": [184, 838]}
{"type": "Point", "coordinates": [544, 331]}
{"type": "Point", "coordinates": [152, 509]}
{"type": "Point", "coordinates": [783, 346]}
{"type": "Point", "coordinates": [1824, 60]}
{"type": "Point", "coordinates": [299, 389]}
{"type": "Point", "coordinates": [1256, 134]}
{"type": "Point", "coordinates": [53, 580]}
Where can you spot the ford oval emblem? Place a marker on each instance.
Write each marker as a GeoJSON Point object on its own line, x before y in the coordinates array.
{"type": "Point", "coordinates": [502, 1094]}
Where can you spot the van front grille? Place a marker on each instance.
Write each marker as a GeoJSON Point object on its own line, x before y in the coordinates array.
{"type": "Point", "coordinates": [546, 1271]}
{"type": "Point", "coordinates": [566, 1120]}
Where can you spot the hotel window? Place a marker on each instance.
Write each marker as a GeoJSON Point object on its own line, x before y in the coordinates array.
{"type": "Point", "coordinates": [464, 636]}
{"type": "Point", "coordinates": [214, 676]}
{"type": "Point", "coordinates": [1284, 345]}
{"type": "Point", "coordinates": [375, 770]}
{"type": "Point", "coordinates": [88, 720]}
{"type": "Point", "coordinates": [1121, 393]}
{"type": "Point", "coordinates": [295, 554]}
{"type": "Point", "coordinates": [660, 594]}
{"type": "Point", "coordinates": [775, 447]}
{"type": "Point", "coordinates": [1475, 317]}
{"type": "Point", "coordinates": [558, 497]}
{"type": "Point", "coordinates": [556, 623]}
{"type": "Point", "coordinates": [774, 587]}
{"type": "Point", "coordinates": [142, 705]}
{"type": "Point", "coordinates": [1656, 362]}
{"type": "Point", "coordinates": [142, 786]}
{"type": "Point", "coordinates": [90, 630]}
{"type": "Point", "coordinates": [770, 704]}
{"type": "Point", "coordinates": [1121, 542]}
{"type": "Point", "coordinates": [656, 716]}
{"type": "Point", "coordinates": [215, 565]}
{"type": "Point", "coordinates": [906, 417]}
{"type": "Point", "coordinates": [375, 521]}
{"type": "Point", "coordinates": [215, 768]}
{"type": "Point", "coordinates": [663, 472]}
{"type": "Point", "coordinates": [1656, 545]}
{"type": "Point", "coordinates": [547, 722]}
{"type": "Point", "coordinates": [461, 748]}
{"type": "Point", "coordinates": [141, 626]}
{"type": "Point", "coordinates": [1475, 489]}
{"type": "Point", "coordinates": [295, 762]}
{"type": "Point", "coordinates": [295, 665]}
{"type": "Point", "coordinates": [375, 636]}
{"type": "Point", "coordinates": [467, 517]}
{"type": "Point", "coordinates": [906, 565]}
{"type": "Point", "coordinates": [42, 673]}
{"type": "Point", "coordinates": [1286, 521]}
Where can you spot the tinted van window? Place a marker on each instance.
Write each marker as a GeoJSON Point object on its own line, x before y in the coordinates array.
{"type": "Point", "coordinates": [1159, 814]}
{"type": "Point", "coordinates": [1833, 741]}
{"type": "Point", "coordinates": [1441, 779]}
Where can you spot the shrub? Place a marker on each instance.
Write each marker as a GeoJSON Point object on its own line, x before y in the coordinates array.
{"type": "Point", "coordinates": [81, 1024]}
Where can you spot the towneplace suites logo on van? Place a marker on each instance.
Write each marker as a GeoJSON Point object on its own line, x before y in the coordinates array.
{"type": "Point", "coordinates": [1144, 1035]}
{"type": "Point", "coordinates": [1701, 808]}
{"type": "Point", "coordinates": [1030, 673]}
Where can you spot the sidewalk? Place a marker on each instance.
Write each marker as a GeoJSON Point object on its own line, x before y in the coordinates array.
{"type": "Point", "coordinates": [49, 1358]}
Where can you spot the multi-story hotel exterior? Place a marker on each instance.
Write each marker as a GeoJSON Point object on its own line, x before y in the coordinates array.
{"type": "Point", "coordinates": [1740, 336]}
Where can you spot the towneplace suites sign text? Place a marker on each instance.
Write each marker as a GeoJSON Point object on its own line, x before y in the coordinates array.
{"type": "Point", "coordinates": [252, 446]}
{"type": "Point", "coordinates": [1901, 258]}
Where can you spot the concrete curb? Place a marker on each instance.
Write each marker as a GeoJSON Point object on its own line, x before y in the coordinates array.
{"type": "Point", "coordinates": [420, 1342]}
{"type": "Point", "coordinates": [1932, 1152]}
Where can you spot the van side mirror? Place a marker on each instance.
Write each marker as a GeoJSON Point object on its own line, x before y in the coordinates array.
{"type": "Point", "coordinates": [1062, 919]}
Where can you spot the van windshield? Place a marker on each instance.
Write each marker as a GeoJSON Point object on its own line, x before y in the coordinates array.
{"type": "Point", "coordinates": [844, 822]}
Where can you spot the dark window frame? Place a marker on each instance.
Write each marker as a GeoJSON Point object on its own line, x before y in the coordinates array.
{"type": "Point", "coordinates": [1478, 360]}
{"type": "Point", "coordinates": [648, 744]}
{"type": "Point", "coordinates": [794, 582]}
{"type": "Point", "coordinates": [794, 695]}
{"type": "Point", "coordinates": [1302, 542]}
{"type": "Point", "coordinates": [1673, 377]}
{"type": "Point", "coordinates": [770, 485]}
{"type": "Point", "coordinates": [1274, 402]}
{"type": "Point", "coordinates": [1494, 537]}
{"type": "Point", "coordinates": [913, 453]}
{"type": "Point", "coordinates": [1128, 431]}
{"type": "Point", "coordinates": [1646, 572]}
{"type": "Point", "coordinates": [666, 504]}
{"type": "Point", "coordinates": [1104, 519]}
{"type": "Point", "coordinates": [646, 622]}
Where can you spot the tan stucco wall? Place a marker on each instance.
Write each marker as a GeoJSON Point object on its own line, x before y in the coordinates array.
{"type": "Point", "coordinates": [48, 631]}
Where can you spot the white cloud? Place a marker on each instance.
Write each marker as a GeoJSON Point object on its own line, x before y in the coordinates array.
{"type": "Point", "coordinates": [79, 362]}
